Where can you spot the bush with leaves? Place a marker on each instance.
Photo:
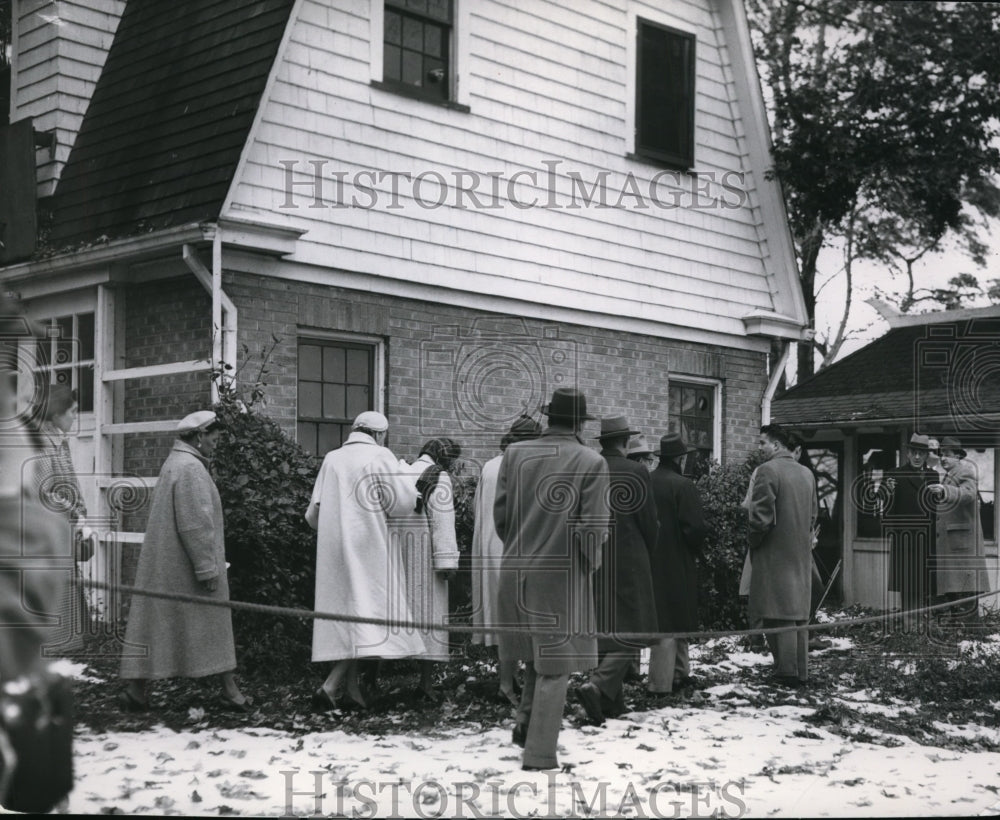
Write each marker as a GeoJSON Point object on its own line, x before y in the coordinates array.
{"type": "Point", "coordinates": [722, 491]}
{"type": "Point", "coordinates": [265, 481]}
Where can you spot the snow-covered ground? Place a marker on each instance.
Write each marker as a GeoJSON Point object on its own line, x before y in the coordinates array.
{"type": "Point", "coordinates": [726, 758]}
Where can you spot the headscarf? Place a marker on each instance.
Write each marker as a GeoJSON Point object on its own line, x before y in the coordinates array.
{"type": "Point", "coordinates": [443, 451]}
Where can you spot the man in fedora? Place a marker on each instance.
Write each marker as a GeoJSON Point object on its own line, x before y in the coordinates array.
{"type": "Point", "coordinates": [551, 512]}
{"type": "Point", "coordinates": [782, 515]}
{"type": "Point", "coordinates": [674, 571]}
{"type": "Point", "coordinates": [960, 564]}
{"type": "Point", "coordinates": [908, 525]}
{"type": "Point", "coordinates": [623, 589]}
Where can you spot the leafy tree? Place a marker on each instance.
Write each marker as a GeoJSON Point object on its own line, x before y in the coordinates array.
{"type": "Point", "coordinates": [885, 121]}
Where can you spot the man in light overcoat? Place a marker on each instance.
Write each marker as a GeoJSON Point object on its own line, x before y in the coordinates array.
{"type": "Point", "coordinates": [551, 512]}
{"type": "Point", "coordinates": [782, 511]}
{"type": "Point", "coordinates": [960, 563]}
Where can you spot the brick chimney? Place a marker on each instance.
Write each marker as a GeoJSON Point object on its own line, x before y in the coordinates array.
{"type": "Point", "coordinates": [59, 48]}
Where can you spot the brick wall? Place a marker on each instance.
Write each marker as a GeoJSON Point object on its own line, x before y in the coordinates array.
{"type": "Point", "coordinates": [453, 371]}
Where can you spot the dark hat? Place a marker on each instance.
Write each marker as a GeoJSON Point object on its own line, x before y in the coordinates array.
{"type": "Point", "coordinates": [953, 444]}
{"type": "Point", "coordinates": [673, 445]}
{"type": "Point", "coordinates": [568, 403]}
{"type": "Point", "coordinates": [615, 426]}
{"type": "Point", "coordinates": [919, 442]}
{"type": "Point", "coordinates": [639, 447]}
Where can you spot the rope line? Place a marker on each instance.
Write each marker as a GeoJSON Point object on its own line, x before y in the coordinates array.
{"type": "Point", "coordinates": [424, 626]}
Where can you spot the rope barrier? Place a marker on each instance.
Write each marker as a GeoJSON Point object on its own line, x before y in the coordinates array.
{"type": "Point", "coordinates": [424, 626]}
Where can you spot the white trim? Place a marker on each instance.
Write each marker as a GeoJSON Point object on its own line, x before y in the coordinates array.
{"type": "Point", "coordinates": [250, 143]}
{"type": "Point", "coordinates": [194, 366]}
{"type": "Point", "coordinates": [703, 381]}
{"type": "Point", "coordinates": [319, 334]}
{"type": "Point", "coordinates": [376, 26]}
{"type": "Point", "coordinates": [897, 319]}
{"type": "Point", "coordinates": [461, 52]}
{"type": "Point", "coordinates": [632, 69]}
{"type": "Point", "coordinates": [169, 426]}
{"type": "Point", "coordinates": [781, 263]}
{"type": "Point", "coordinates": [508, 305]}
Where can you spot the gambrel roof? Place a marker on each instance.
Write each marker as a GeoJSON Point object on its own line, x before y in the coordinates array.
{"type": "Point", "coordinates": [171, 113]}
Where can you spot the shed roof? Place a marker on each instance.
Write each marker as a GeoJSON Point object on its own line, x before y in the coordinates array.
{"type": "Point", "coordinates": [942, 376]}
{"type": "Point", "coordinates": [165, 128]}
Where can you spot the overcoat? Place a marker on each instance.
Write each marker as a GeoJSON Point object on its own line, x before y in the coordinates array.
{"type": "Point", "coordinates": [358, 571]}
{"type": "Point", "coordinates": [782, 514]}
{"type": "Point", "coordinates": [681, 536]}
{"type": "Point", "coordinates": [487, 550]}
{"type": "Point", "coordinates": [623, 586]}
{"type": "Point", "coordinates": [551, 512]}
{"type": "Point", "coordinates": [184, 545]}
{"type": "Point", "coordinates": [960, 563]}
{"type": "Point", "coordinates": [909, 520]}
{"type": "Point", "coordinates": [428, 546]}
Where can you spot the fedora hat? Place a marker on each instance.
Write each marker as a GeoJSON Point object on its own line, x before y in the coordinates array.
{"type": "Point", "coordinates": [524, 428]}
{"type": "Point", "coordinates": [568, 403]}
{"type": "Point", "coordinates": [673, 445]}
{"type": "Point", "coordinates": [639, 447]}
{"type": "Point", "coordinates": [953, 444]}
{"type": "Point", "coordinates": [615, 426]}
{"type": "Point", "coordinates": [919, 442]}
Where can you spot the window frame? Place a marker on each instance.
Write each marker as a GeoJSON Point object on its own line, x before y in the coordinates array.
{"type": "Point", "coordinates": [76, 364]}
{"type": "Point", "coordinates": [685, 160]}
{"type": "Point", "coordinates": [702, 382]}
{"type": "Point", "coordinates": [319, 337]}
{"type": "Point", "coordinates": [458, 57]}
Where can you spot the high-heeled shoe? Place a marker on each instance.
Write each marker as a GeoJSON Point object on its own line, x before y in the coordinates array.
{"type": "Point", "coordinates": [321, 702]}
{"type": "Point", "coordinates": [231, 705]}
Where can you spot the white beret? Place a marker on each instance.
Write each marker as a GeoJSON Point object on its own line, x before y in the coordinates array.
{"type": "Point", "coordinates": [372, 420]}
{"type": "Point", "coordinates": [195, 421]}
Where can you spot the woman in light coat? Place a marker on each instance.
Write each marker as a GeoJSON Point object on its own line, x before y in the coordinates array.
{"type": "Point", "coordinates": [183, 551]}
{"type": "Point", "coordinates": [431, 551]}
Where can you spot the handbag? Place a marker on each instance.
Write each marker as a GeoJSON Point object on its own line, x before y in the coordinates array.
{"type": "Point", "coordinates": [36, 718]}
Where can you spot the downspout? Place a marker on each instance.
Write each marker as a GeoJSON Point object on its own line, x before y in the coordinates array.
{"type": "Point", "coordinates": [224, 314]}
{"type": "Point", "coordinates": [772, 383]}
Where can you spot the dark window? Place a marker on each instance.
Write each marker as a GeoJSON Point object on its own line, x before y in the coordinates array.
{"type": "Point", "coordinates": [416, 47]}
{"type": "Point", "coordinates": [665, 95]}
{"type": "Point", "coordinates": [692, 414]}
{"type": "Point", "coordinates": [876, 453]}
{"type": "Point", "coordinates": [336, 382]}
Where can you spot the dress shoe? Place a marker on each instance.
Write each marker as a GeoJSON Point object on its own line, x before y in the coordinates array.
{"type": "Point", "coordinates": [230, 705]}
{"type": "Point", "coordinates": [590, 698]}
{"type": "Point", "coordinates": [321, 702]}
{"type": "Point", "coordinates": [789, 681]}
{"type": "Point", "coordinates": [130, 703]}
{"type": "Point", "coordinates": [818, 643]}
{"type": "Point", "coordinates": [539, 768]}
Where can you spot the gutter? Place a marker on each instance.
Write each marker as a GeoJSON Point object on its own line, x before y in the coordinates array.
{"type": "Point", "coordinates": [772, 383]}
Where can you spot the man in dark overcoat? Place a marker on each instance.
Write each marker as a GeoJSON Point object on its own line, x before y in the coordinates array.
{"type": "Point", "coordinates": [782, 513]}
{"type": "Point", "coordinates": [551, 512]}
{"type": "Point", "coordinates": [673, 565]}
{"type": "Point", "coordinates": [908, 525]}
{"type": "Point", "coordinates": [623, 587]}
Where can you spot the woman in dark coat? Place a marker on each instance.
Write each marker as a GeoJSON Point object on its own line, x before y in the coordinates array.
{"type": "Point", "coordinates": [673, 565]}
{"type": "Point", "coordinates": [623, 590]}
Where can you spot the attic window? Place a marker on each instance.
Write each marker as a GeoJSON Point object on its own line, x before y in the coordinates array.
{"type": "Point", "coordinates": [417, 47]}
{"type": "Point", "coordinates": [665, 67]}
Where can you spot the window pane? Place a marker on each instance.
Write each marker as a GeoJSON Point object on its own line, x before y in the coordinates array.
{"type": "Point", "coordinates": [309, 400]}
{"type": "Point", "coordinates": [63, 376]}
{"type": "Point", "coordinates": [688, 400]}
{"type": "Point", "coordinates": [85, 379]}
{"type": "Point", "coordinates": [309, 362]}
{"type": "Point", "coordinates": [432, 41]}
{"type": "Point", "coordinates": [64, 347]}
{"type": "Point", "coordinates": [357, 400]}
{"type": "Point", "coordinates": [85, 332]}
{"type": "Point", "coordinates": [665, 96]}
{"type": "Point", "coordinates": [328, 438]}
{"type": "Point", "coordinates": [306, 433]}
{"type": "Point", "coordinates": [358, 371]}
{"type": "Point", "coordinates": [333, 364]}
{"type": "Point", "coordinates": [413, 34]}
{"type": "Point", "coordinates": [393, 28]}
{"type": "Point", "coordinates": [333, 401]}
{"type": "Point", "coordinates": [413, 68]}
{"type": "Point", "coordinates": [439, 9]}
{"type": "Point", "coordinates": [419, 6]}
{"type": "Point", "coordinates": [391, 58]}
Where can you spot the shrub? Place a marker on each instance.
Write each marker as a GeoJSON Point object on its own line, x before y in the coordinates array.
{"type": "Point", "coordinates": [265, 481]}
{"type": "Point", "coordinates": [722, 491]}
